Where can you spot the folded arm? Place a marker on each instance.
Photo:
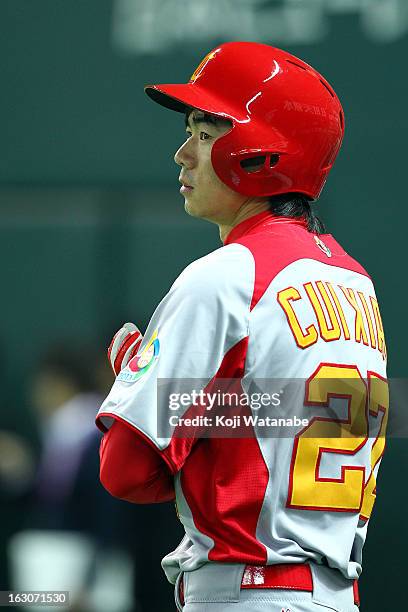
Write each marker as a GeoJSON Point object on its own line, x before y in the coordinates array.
{"type": "Point", "coordinates": [131, 469]}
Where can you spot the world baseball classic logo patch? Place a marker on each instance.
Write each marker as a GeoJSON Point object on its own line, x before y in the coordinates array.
{"type": "Point", "coordinates": [140, 364]}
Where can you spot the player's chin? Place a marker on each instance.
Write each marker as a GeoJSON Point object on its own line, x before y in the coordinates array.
{"type": "Point", "coordinates": [191, 208]}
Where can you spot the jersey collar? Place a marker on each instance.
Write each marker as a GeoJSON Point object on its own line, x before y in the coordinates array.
{"type": "Point", "coordinates": [257, 222]}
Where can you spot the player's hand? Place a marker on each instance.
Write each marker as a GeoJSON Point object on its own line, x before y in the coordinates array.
{"type": "Point", "coordinates": [124, 346]}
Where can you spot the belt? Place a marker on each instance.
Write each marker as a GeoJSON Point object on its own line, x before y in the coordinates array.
{"type": "Point", "coordinates": [291, 576]}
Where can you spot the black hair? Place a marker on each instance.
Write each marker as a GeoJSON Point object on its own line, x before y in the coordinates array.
{"type": "Point", "coordinates": [297, 205]}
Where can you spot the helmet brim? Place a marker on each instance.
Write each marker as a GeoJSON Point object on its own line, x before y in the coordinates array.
{"type": "Point", "coordinates": [179, 97]}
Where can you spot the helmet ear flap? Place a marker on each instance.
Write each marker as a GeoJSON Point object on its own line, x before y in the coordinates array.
{"type": "Point", "coordinates": [259, 163]}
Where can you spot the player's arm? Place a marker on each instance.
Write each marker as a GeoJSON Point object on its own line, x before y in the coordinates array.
{"type": "Point", "coordinates": [131, 469]}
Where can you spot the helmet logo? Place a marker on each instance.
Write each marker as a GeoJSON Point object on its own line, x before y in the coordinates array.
{"type": "Point", "coordinates": [197, 72]}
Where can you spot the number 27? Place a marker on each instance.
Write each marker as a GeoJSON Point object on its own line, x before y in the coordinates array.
{"type": "Point", "coordinates": [351, 492]}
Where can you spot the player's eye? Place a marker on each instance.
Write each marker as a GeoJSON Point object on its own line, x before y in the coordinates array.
{"type": "Point", "coordinates": [204, 136]}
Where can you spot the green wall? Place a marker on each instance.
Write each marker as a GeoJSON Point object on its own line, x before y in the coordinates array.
{"type": "Point", "coordinates": [92, 228]}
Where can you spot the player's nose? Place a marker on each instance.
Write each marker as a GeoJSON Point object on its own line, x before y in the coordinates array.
{"type": "Point", "coordinates": [184, 156]}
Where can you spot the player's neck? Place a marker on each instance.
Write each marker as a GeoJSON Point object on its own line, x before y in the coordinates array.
{"type": "Point", "coordinates": [250, 208]}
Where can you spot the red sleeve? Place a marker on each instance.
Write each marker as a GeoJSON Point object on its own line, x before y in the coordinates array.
{"type": "Point", "coordinates": [131, 469]}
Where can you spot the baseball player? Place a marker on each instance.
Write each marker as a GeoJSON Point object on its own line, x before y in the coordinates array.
{"type": "Point", "coordinates": [273, 521]}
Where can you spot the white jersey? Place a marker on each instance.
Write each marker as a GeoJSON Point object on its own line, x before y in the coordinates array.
{"type": "Point", "coordinates": [276, 302]}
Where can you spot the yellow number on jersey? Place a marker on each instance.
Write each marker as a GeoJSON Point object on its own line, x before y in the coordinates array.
{"type": "Point", "coordinates": [348, 492]}
{"type": "Point", "coordinates": [378, 403]}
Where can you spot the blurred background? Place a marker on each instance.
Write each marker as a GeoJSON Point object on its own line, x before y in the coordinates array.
{"type": "Point", "coordinates": [93, 233]}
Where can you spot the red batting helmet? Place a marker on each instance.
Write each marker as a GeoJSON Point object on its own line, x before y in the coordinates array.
{"type": "Point", "coordinates": [281, 109]}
